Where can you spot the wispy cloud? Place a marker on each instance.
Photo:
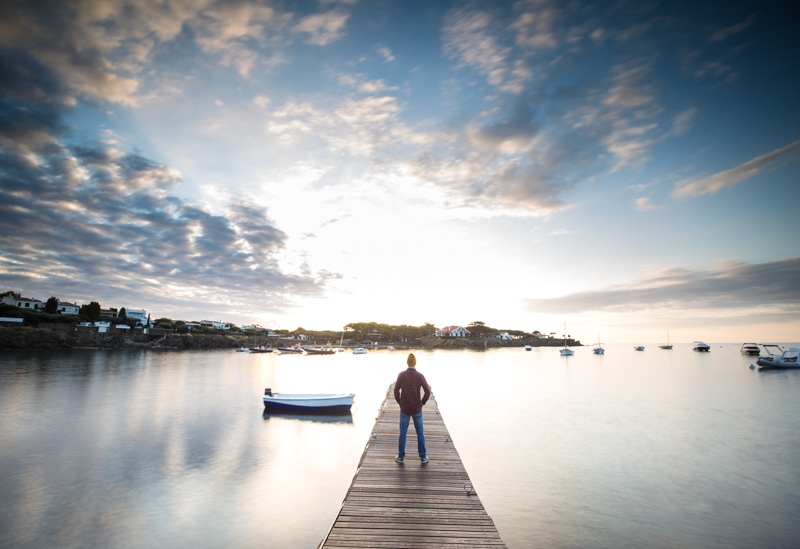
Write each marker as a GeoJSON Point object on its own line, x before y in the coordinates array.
{"type": "Point", "coordinates": [535, 26]}
{"type": "Point", "coordinates": [728, 286]}
{"type": "Point", "coordinates": [683, 122]}
{"type": "Point", "coordinates": [727, 178]}
{"type": "Point", "coordinates": [386, 53]}
{"type": "Point", "coordinates": [470, 38]}
{"type": "Point", "coordinates": [323, 28]}
{"type": "Point", "coordinates": [643, 204]}
{"type": "Point", "coordinates": [727, 32]}
{"type": "Point", "coordinates": [356, 126]}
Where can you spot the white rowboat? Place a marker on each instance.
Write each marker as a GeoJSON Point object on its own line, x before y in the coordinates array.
{"type": "Point", "coordinates": [314, 402]}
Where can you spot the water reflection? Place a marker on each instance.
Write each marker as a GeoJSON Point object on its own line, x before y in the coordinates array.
{"type": "Point", "coordinates": [343, 417]}
{"type": "Point", "coordinates": [133, 449]}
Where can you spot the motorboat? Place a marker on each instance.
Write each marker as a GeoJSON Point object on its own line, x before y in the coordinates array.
{"type": "Point", "coordinates": [297, 350]}
{"type": "Point", "coordinates": [260, 349]}
{"type": "Point", "coordinates": [750, 349]}
{"type": "Point", "coordinates": [317, 403]}
{"type": "Point", "coordinates": [359, 351]}
{"type": "Point", "coordinates": [528, 347]}
{"type": "Point", "coordinates": [701, 347]}
{"type": "Point", "coordinates": [242, 350]}
{"type": "Point", "coordinates": [638, 348]}
{"type": "Point", "coordinates": [778, 358]}
{"type": "Point", "coordinates": [319, 350]}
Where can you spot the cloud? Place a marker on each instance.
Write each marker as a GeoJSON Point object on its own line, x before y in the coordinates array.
{"type": "Point", "coordinates": [363, 85]}
{"type": "Point", "coordinates": [366, 127]}
{"type": "Point", "coordinates": [386, 53]}
{"type": "Point", "coordinates": [683, 122]}
{"type": "Point", "coordinates": [727, 32]}
{"type": "Point", "coordinates": [729, 286]}
{"type": "Point", "coordinates": [470, 38]}
{"type": "Point", "coordinates": [643, 204]}
{"type": "Point", "coordinates": [97, 220]}
{"type": "Point", "coordinates": [535, 26]}
{"type": "Point", "coordinates": [727, 178]}
{"type": "Point", "coordinates": [108, 220]}
{"type": "Point", "coordinates": [323, 28]}
{"type": "Point", "coordinates": [105, 50]}
{"type": "Point", "coordinates": [511, 134]}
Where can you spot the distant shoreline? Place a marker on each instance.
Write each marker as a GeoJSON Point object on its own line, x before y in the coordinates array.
{"type": "Point", "coordinates": [26, 338]}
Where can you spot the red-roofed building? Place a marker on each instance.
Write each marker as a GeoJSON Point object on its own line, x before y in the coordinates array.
{"type": "Point", "coordinates": [452, 331]}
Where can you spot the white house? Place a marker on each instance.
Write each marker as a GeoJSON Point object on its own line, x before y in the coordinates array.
{"type": "Point", "coordinates": [138, 314]}
{"type": "Point", "coordinates": [504, 336]}
{"type": "Point", "coordinates": [103, 326]}
{"type": "Point", "coordinates": [68, 308]}
{"type": "Point", "coordinates": [452, 331]}
{"type": "Point", "coordinates": [28, 303]}
{"type": "Point", "coordinates": [216, 324]}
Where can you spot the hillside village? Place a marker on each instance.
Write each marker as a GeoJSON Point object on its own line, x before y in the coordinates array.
{"type": "Point", "coordinates": [91, 325]}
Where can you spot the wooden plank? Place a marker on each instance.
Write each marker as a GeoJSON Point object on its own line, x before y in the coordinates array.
{"type": "Point", "coordinates": [389, 505]}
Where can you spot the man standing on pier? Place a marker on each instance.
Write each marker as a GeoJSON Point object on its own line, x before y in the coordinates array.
{"type": "Point", "coordinates": [406, 393]}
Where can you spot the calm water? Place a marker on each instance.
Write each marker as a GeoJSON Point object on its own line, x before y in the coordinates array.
{"type": "Point", "coordinates": [142, 449]}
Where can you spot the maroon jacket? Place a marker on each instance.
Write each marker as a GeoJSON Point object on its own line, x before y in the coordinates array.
{"type": "Point", "coordinates": [406, 391]}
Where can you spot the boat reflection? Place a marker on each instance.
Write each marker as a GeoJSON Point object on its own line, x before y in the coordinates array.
{"type": "Point", "coordinates": [345, 417]}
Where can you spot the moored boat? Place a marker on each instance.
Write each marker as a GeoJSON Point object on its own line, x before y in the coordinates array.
{"type": "Point", "coordinates": [359, 351]}
{"type": "Point", "coordinates": [598, 347]}
{"type": "Point", "coordinates": [778, 358]}
{"type": "Point", "coordinates": [750, 349]}
{"type": "Point", "coordinates": [297, 350]}
{"type": "Point", "coordinates": [638, 348]}
{"type": "Point", "coordinates": [566, 351]}
{"type": "Point", "coordinates": [528, 347]}
{"type": "Point", "coordinates": [701, 347]}
{"type": "Point", "coordinates": [319, 350]}
{"type": "Point", "coordinates": [311, 402]}
{"type": "Point", "coordinates": [260, 349]}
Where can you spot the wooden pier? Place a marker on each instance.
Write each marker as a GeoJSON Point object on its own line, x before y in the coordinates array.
{"type": "Point", "coordinates": [411, 505]}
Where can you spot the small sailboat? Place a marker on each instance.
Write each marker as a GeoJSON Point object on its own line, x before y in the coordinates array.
{"type": "Point", "coordinates": [566, 351]}
{"type": "Point", "coordinates": [598, 349]}
{"type": "Point", "coordinates": [668, 346]}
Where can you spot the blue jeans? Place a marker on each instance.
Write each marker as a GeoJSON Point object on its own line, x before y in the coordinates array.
{"type": "Point", "coordinates": [401, 443]}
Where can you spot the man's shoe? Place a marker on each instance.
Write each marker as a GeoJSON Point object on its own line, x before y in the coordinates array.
{"type": "Point", "coordinates": [398, 459]}
{"type": "Point", "coordinates": [424, 460]}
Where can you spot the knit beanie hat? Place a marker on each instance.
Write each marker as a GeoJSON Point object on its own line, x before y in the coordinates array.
{"type": "Point", "coordinates": [412, 360]}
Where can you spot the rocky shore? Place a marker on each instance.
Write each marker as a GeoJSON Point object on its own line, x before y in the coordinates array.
{"type": "Point", "coordinates": [20, 338]}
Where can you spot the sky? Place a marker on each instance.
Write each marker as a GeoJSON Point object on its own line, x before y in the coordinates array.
{"type": "Point", "coordinates": [624, 171]}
